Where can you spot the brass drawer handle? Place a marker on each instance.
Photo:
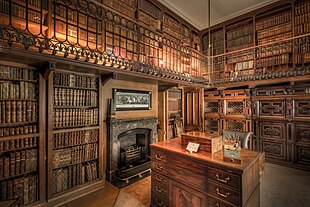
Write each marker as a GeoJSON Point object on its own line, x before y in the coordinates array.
{"type": "Point", "coordinates": [222, 180]}
{"type": "Point", "coordinates": [159, 202]}
{"type": "Point", "coordinates": [158, 189]}
{"type": "Point", "coordinates": [159, 157]}
{"type": "Point", "coordinates": [159, 167]}
{"type": "Point", "coordinates": [158, 178]}
{"type": "Point", "coordinates": [225, 195]}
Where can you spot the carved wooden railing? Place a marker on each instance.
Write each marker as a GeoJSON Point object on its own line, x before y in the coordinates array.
{"type": "Point", "coordinates": [87, 31]}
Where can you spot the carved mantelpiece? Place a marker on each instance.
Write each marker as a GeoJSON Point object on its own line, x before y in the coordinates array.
{"type": "Point", "coordinates": [119, 126]}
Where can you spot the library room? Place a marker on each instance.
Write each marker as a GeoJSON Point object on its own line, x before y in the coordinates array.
{"type": "Point", "coordinates": [161, 103]}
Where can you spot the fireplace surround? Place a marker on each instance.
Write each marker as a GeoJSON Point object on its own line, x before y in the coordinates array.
{"type": "Point", "coordinates": [128, 147]}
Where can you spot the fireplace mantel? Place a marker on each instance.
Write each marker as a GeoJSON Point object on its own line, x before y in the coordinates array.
{"type": "Point", "coordinates": [119, 126]}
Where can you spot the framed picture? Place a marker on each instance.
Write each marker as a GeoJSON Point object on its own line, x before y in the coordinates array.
{"type": "Point", "coordinates": [132, 100]}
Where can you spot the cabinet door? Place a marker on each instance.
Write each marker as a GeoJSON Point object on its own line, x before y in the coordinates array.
{"type": "Point", "coordinates": [181, 195]}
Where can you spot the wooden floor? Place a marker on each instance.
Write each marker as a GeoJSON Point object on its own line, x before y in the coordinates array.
{"type": "Point", "coordinates": [280, 187]}
{"type": "Point", "coordinates": [105, 197]}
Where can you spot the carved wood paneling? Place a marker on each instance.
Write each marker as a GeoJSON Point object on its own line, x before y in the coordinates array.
{"type": "Point", "coordinates": [302, 108]}
{"type": "Point", "coordinates": [302, 133]}
{"type": "Point", "coordinates": [303, 155]}
{"type": "Point", "coordinates": [273, 108]}
{"type": "Point", "coordinates": [272, 130]}
{"type": "Point", "coordinates": [274, 150]}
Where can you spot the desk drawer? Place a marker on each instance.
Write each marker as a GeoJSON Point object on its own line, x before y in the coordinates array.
{"type": "Point", "coordinates": [225, 178]}
{"type": "Point", "coordinates": [190, 165]}
{"type": "Point", "coordinates": [223, 193]}
{"type": "Point", "coordinates": [157, 155]}
{"type": "Point", "coordinates": [160, 181]}
{"type": "Point", "coordinates": [158, 200]}
{"type": "Point", "coordinates": [217, 203]}
{"type": "Point", "coordinates": [159, 167]}
{"type": "Point", "coordinates": [188, 178]}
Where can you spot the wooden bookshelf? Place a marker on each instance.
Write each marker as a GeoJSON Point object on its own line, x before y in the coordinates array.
{"type": "Point", "coordinates": [125, 7]}
{"type": "Point", "coordinates": [302, 26]}
{"type": "Point", "coordinates": [36, 16]}
{"type": "Point", "coordinates": [74, 132]}
{"type": "Point", "coordinates": [20, 141]}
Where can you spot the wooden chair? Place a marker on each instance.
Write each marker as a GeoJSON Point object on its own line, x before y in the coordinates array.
{"type": "Point", "coordinates": [244, 137]}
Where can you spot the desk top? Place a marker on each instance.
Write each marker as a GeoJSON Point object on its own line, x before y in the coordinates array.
{"type": "Point", "coordinates": [248, 157]}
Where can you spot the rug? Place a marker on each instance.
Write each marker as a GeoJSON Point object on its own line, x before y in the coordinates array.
{"type": "Point", "coordinates": [137, 194]}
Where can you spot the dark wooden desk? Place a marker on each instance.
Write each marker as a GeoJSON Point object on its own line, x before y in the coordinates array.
{"type": "Point", "coordinates": [203, 179]}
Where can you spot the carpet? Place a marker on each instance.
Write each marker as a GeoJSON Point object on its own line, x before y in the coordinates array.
{"type": "Point", "coordinates": [135, 195]}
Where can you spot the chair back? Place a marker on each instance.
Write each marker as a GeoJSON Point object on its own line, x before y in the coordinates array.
{"type": "Point", "coordinates": [244, 137]}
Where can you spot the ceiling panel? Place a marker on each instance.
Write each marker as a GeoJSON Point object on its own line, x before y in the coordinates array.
{"type": "Point", "coordinates": [196, 11]}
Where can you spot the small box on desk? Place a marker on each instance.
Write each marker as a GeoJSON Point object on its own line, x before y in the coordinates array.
{"type": "Point", "coordinates": [207, 142]}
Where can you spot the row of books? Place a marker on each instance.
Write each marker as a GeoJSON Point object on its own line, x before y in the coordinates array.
{"type": "Point", "coordinates": [272, 61]}
{"type": "Point", "coordinates": [64, 118]}
{"type": "Point", "coordinates": [272, 51]}
{"type": "Point", "coordinates": [75, 97]}
{"type": "Point", "coordinates": [274, 21]}
{"type": "Point", "coordinates": [18, 163]}
{"type": "Point", "coordinates": [151, 9]}
{"type": "Point", "coordinates": [78, 17]}
{"type": "Point", "coordinates": [276, 30]}
{"type": "Point", "coordinates": [302, 28]}
{"type": "Point", "coordinates": [302, 8]}
{"type": "Point", "coordinates": [10, 72]}
{"type": "Point", "coordinates": [303, 58]}
{"type": "Point", "coordinates": [244, 31]}
{"type": "Point", "coordinates": [19, 90]}
{"type": "Point", "coordinates": [19, 11]}
{"type": "Point", "coordinates": [275, 38]}
{"type": "Point", "coordinates": [75, 138]}
{"type": "Point", "coordinates": [16, 144]}
{"type": "Point", "coordinates": [72, 80]}
{"type": "Point", "coordinates": [18, 111]}
{"type": "Point", "coordinates": [37, 3]}
{"type": "Point", "coordinates": [66, 178]}
{"type": "Point", "coordinates": [215, 36]}
{"type": "Point", "coordinates": [119, 6]}
{"type": "Point", "coordinates": [25, 188]}
{"type": "Point", "coordinates": [19, 130]}
{"type": "Point", "coordinates": [243, 41]}
{"type": "Point", "coordinates": [303, 18]}
{"type": "Point", "coordinates": [61, 33]}
{"type": "Point", "coordinates": [74, 155]}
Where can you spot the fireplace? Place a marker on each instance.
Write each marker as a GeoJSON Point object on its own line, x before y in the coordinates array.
{"type": "Point", "coordinates": [129, 147]}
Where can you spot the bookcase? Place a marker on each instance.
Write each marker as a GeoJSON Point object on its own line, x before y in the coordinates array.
{"type": "Point", "coordinates": [76, 26]}
{"type": "Point", "coordinates": [171, 113]}
{"type": "Point", "coordinates": [21, 136]}
{"type": "Point", "coordinates": [36, 15]}
{"type": "Point", "coordinates": [74, 131]}
{"type": "Point", "coordinates": [125, 7]}
{"type": "Point", "coordinates": [272, 28]}
{"type": "Point", "coordinates": [227, 110]}
{"type": "Point", "coordinates": [150, 15]}
{"type": "Point", "coordinates": [302, 26]}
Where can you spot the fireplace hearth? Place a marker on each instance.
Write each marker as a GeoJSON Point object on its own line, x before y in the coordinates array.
{"type": "Point", "coordinates": [129, 147]}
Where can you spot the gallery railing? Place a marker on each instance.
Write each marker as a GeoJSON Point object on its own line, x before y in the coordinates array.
{"type": "Point", "coordinates": [86, 31]}
{"type": "Point", "coordinates": [280, 59]}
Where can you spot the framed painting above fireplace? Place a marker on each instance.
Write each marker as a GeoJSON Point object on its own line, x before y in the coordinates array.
{"type": "Point", "coordinates": [132, 100]}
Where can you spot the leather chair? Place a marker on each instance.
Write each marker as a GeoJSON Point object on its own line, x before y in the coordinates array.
{"type": "Point", "coordinates": [244, 137]}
